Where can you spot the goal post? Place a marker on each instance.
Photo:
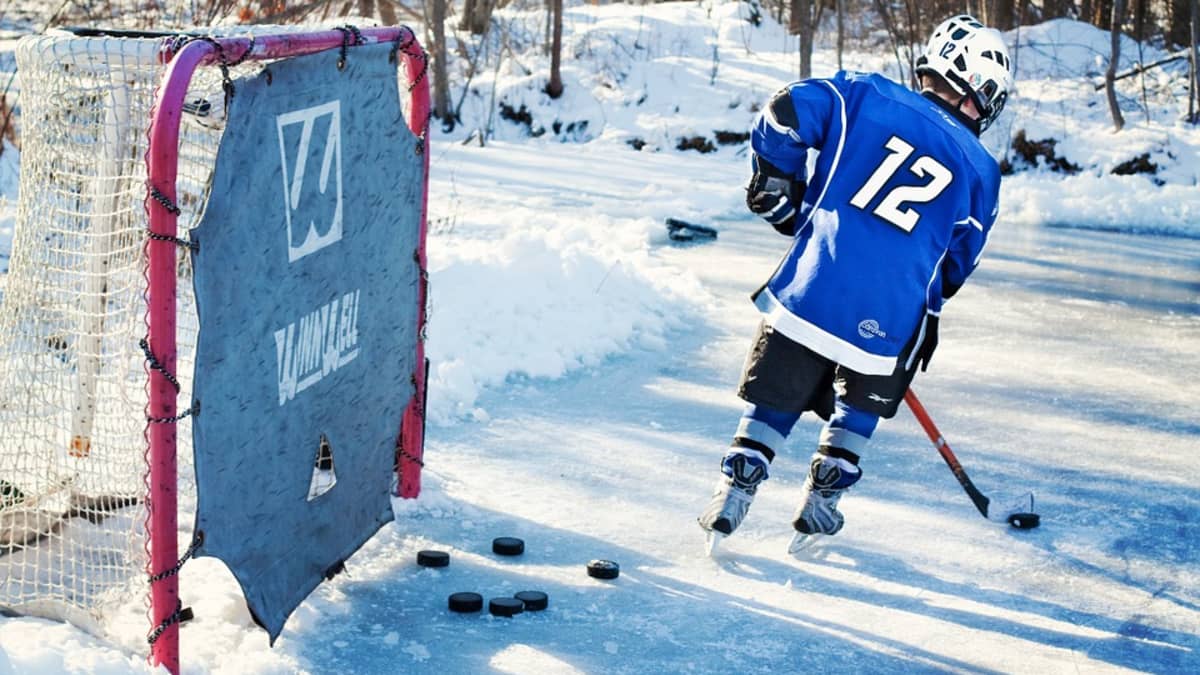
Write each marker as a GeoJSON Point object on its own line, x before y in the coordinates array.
{"type": "Point", "coordinates": [99, 327]}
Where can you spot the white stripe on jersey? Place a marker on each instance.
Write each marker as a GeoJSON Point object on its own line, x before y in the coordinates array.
{"type": "Point", "coordinates": [837, 155]}
{"type": "Point", "coordinates": [817, 339]}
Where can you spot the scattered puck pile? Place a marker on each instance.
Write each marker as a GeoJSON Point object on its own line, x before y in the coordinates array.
{"type": "Point", "coordinates": [524, 601]}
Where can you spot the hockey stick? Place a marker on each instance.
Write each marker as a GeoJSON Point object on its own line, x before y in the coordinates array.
{"type": "Point", "coordinates": [1020, 515]}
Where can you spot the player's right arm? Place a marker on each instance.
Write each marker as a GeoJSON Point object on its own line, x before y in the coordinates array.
{"type": "Point", "coordinates": [794, 120]}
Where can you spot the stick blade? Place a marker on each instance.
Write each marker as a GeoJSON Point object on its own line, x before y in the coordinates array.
{"type": "Point", "coordinates": [999, 510]}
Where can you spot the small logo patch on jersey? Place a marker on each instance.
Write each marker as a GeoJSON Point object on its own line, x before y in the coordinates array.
{"type": "Point", "coordinates": [876, 397]}
{"type": "Point", "coordinates": [869, 328]}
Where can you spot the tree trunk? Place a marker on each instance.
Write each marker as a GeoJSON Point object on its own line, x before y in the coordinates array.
{"type": "Point", "coordinates": [1054, 9]}
{"type": "Point", "coordinates": [1139, 20]}
{"type": "Point", "coordinates": [441, 78]}
{"type": "Point", "coordinates": [1178, 15]}
{"type": "Point", "coordinates": [1194, 85]}
{"type": "Point", "coordinates": [801, 25]}
{"type": "Point", "coordinates": [1118, 11]}
{"type": "Point", "coordinates": [555, 87]}
{"type": "Point", "coordinates": [475, 16]}
{"type": "Point", "coordinates": [885, 15]}
{"type": "Point", "coordinates": [387, 13]}
{"type": "Point", "coordinates": [1103, 13]}
{"type": "Point", "coordinates": [841, 31]}
{"type": "Point", "coordinates": [1003, 12]}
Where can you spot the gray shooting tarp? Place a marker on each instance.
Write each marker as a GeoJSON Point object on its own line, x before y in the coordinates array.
{"type": "Point", "coordinates": [306, 286]}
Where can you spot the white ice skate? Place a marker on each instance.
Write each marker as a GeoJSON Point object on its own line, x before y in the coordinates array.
{"type": "Point", "coordinates": [817, 516]}
{"type": "Point", "coordinates": [732, 498]}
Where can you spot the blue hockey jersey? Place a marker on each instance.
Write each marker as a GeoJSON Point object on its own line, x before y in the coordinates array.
{"type": "Point", "coordinates": [900, 201]}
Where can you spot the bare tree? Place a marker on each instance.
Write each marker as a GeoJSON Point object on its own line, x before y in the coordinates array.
{"type": "Point", "coordinates": [1194, 85]}
{"type": "Point", "coordinates": [1002, 14]}
{"type": "Point", "coordinates": [554, 88]}
{"type": "Point", "coordinates": [885, 15]}
{"type": "Point", "coordinates": [806, 14]}
{"type": "Point", "coordinates": [441, 76]}
{"type": "Point", "coordinates": [1056, 9]}
{"type": "Point", "coordinates": [476, 15]}
{"type": "Point", "coordinates": [1103, 12]}
{"type": "Point", "coordinates": [1139, 33]}
{"type": "Point", "coordinates": [841, 30]}
{"type": "Point", "coordinates": [1118, 11]}
{"type": "Point", "coordinates": [1178, 14]}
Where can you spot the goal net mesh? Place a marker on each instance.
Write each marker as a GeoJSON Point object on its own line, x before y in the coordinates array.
{"type": "Point", "coordinates": [73, 391]}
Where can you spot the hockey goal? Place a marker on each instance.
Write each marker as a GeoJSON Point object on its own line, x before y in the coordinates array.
{"type": "Point", "coordinates": [98, 326]}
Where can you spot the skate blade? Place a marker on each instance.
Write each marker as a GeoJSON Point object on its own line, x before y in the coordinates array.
{"type": "Point", "coordinates": [712, 541]}
{"type": "Point", "coordinates": [801, 543]}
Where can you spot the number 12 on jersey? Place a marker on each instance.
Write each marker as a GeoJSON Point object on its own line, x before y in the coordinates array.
{"type": "Point", "coordinates": [891, 207]}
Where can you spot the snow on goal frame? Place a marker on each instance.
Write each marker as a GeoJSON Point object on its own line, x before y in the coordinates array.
{"type": "Point", "coordinates": [111, 302]}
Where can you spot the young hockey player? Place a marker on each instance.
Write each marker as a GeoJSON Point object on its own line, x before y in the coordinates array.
{"type": "Point", "coordinates": [891, 222]}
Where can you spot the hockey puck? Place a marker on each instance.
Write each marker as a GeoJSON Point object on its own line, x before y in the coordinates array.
{"type": "Point", "coordinates": [466, 602]}
{"type": "Point", "coordinates": [603, 569]}
{"type": "Point", "coordinates": [508, 546]}
{"type": "Point", "coordinates": [534, 601]}
{"type": "Point", "coordinates": [433, 558]}
{"type": "Point", "coordinates": [1024, 521]}
{"type": "Point", "coordinates": [505, 606]}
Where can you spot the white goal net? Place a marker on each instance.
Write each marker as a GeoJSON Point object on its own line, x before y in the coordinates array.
{"type": "Point", "coordinates": [73, 393]}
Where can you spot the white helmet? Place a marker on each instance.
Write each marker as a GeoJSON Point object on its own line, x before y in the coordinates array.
{"type": "Point", "coordinates": [973, 60]}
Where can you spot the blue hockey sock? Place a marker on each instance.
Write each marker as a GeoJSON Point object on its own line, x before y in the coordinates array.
{"type": "Point", "coordinates": [760, 432]}
{"type": "Point", "coordinates": [848, 428]}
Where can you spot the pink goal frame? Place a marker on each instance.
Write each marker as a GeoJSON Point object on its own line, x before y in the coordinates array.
{"type": "Point", "coordinates": [162, 163]}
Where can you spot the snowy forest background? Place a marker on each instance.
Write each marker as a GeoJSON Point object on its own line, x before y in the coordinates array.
{"type": "Point", "coordinates": [468, 39]}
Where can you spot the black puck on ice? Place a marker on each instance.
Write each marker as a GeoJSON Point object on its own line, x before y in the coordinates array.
{"type": "Point", "coordinates": [508, 546]}
{"type": "Point", "coordinates": [466, 602]}
{"type": "Point", "coordinates": [534, 601]}
{"type": "Point", "coordinates": [433, 558]}
{"type": "Point", "coordinates": [505, 606]}
{"type": "Point", "coordinates": [603, 569]}
{"type": "Point", "coordinates": [1024, 521]}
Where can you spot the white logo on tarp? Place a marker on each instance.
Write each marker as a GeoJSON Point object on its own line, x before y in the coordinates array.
{"type": "Point", "coordinates": [320, 231]}
{"type": "Point", "coordinates": [869, 328]}
{"type": "Point", "coordinates": [321, 342]}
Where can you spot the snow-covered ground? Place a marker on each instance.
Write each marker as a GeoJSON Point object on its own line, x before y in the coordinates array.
{"type": "Point", "coordinates": [587, 406]}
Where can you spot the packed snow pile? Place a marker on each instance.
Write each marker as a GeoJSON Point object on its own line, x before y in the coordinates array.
{"type": "Point", "coordinates": [546, 298]}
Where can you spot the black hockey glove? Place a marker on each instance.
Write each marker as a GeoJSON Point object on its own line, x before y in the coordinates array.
{"type": "Point", "coordinates": [929, 343]}
{"type": "Point", "coordinates": [771, 195]}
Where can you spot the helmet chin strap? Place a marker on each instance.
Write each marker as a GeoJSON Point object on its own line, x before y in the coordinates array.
{"type": "Point", "coordinates": [955, 109]}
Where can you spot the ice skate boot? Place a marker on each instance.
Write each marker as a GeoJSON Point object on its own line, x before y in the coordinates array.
{"type": "Point", "coordinates": [741, 474]}
{"type": "Point", "coordinates": [817, 515]}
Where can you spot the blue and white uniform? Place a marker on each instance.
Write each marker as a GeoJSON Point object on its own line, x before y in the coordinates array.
{"type": "Point", "coordinates": [895, 217]}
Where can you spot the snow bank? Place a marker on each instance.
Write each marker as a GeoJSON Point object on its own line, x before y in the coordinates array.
{"type": "Point", "coordinates": [553, 294]}
{"type": "Point", "coordinates": [1069, 49]}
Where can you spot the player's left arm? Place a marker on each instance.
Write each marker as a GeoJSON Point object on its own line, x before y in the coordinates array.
{"type": "Point", "coordinates": [969, 239]}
